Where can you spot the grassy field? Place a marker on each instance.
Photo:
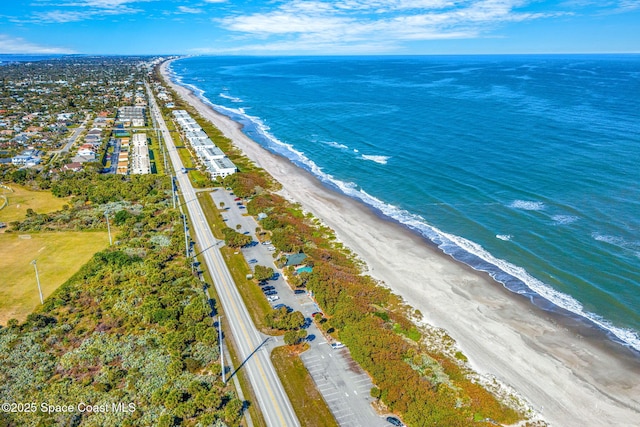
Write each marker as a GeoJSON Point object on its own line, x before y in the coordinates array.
{"type": "Point", "coordinates": [58, 256]}
{"type": "Point", "coordinates": [22, 199]}
{"type": "Point", "coordinates": [310, 407]}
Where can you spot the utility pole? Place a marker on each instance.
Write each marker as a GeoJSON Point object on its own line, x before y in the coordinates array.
{"type": "Point", "coordinates": [38, 281]}
{"type": "Point", "coordinates": [173, 190]}
{"type": "Point", "coordinates": [224, 380]}
{"type": "Point", "coordinates": [106, 215]}
{"type": "Point", "coordinates": [186, 238]}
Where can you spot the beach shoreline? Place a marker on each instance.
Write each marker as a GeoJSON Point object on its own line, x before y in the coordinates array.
{"type": "Point", "coordinates": [569, 372]}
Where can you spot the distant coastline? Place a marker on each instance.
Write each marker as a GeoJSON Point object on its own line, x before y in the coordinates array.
{"type": "Point", "coordinates": [502, 333]}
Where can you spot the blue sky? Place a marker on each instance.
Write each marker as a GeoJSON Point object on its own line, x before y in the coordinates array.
{"type": "Point", "coordinates": [296, 27]}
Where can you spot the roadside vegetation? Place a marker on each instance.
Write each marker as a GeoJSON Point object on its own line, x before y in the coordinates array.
{"type": "Point", "coordinates": [131, 326]}
{"type": "Point", "coordinates": [310, 407]}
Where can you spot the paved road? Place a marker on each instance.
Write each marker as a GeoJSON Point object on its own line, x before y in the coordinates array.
{"type": "Point", "coordinates": [271, 397]}
{"type": "Point", "coordinates": [74, 136]}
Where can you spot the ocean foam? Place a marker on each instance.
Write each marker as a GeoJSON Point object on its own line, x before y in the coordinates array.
{"type": "Point", "coordinates": [564, 219]}
{"type": "Point", "coordinates": [505, 237]}
{"type": "Point", "coordinates": [620, 242]}
{"type": "Point", "coordinates": [378, 159]}
{"type": "Point", "coordinates": [454, 246]}
{"type": "Point", "coordinates": [527, 205]}
{"type": "Point", "coordinates": [229, 97]}
{"type": "Point", "coordinates": [335, 145]}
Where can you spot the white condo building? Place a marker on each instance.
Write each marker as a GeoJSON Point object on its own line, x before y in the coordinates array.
{"type": "Point", "coordinates": [214, 159]}
{"type": "Point", "coordinates": [139, 158]}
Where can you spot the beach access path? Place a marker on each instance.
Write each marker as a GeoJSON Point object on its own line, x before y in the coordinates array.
{"type": "Point", "coordinates": [569, 373]}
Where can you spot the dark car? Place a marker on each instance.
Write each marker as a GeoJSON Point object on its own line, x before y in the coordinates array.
{"type": "Point", "coordinates": [299, 291]}
{"type": "Point", "coordinates": [268, 288]}
{"type": "Point", "coordinates": [275, 276]}
{"type": "Point", "coordinates": [267, 293]}
{"type": "Point", "coordinates": [395, 421]}
{"type": "Point", "coordinates": [263, 283]}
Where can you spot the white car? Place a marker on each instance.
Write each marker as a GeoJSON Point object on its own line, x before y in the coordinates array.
{"type": "Point", "coordinates": [272, 298]}
{"type": "Point", "coordinates": [336, 345]}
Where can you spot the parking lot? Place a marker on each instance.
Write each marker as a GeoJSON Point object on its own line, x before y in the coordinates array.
{"type": "Point", "coordinates": [344, 386]}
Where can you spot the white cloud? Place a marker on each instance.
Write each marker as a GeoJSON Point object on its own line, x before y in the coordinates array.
{"type": "Point", "coordinates": [57, 16]}
{"type": "Point", "coordinates": [18, 45]}
{"type": "Point", "coordinates": [215, 1]}
{"type": "Point", "coordinates": [284, 22]}
{"type": "Point", "coordinates": [80, 10]}
{"type": "Point", "coordinates": [382, 20]}
{"type": "Point", "coordinates": [185, 9]}
{"type": "Point", "coordinates": [628, 5]}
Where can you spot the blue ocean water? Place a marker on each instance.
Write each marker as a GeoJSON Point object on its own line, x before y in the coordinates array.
{"type": "Point", "coordinates": [527, 167]}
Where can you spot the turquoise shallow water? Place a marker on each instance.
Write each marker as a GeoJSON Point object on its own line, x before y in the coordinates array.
{"type": "Point", "coordinates": [527, 167]}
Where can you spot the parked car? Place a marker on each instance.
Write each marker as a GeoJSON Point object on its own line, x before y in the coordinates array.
{"type": "Point", "coordinates": [241, 207]}
{"type": "Point", "coordinates": [268, 293]}
{"type": "Point", "coordinates": [336, 345]}
{"type": "Point", "coordinates": [268, 288]}
{"type": "Point", "coordinates": [253, 261]}
{"type": "Point", "coordinates": [237, 199]}
{"type": "Point", "coordinates": [275, 276]}
{"type": "Point", "coordinates": [272, 298]}
{"type": "Point", "coordinates": [299, 291]}
{"type": "Point", "coordinates": [395, 421]}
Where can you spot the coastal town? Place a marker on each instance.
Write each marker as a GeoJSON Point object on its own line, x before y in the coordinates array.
{"type": "Point", "coordinates": [90, 113]}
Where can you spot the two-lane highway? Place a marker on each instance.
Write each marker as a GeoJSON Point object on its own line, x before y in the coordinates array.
{"type": "Point", "coordinates": [271, 397]}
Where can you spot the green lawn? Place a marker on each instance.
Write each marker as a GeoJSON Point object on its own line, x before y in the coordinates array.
{"type": "Point", "coordinates": [22, 199]}
{"type": "Point", "coordinates": [58, 255]}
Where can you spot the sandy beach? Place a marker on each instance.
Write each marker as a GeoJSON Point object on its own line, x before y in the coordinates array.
{"type": "Point", "coordinates": [568, 372]}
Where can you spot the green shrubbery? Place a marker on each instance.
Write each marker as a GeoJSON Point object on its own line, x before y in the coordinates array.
{"type": "Point", "coordinates": [130, 326]}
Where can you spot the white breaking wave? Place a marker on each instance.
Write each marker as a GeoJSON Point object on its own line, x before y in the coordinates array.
{"type": "Point", "coordinates": [564, 219]}
{"type": "Point", "coordinates": [620, 242]}
{"type": "Point", "coordinates": [378, 159]}
{"type": "Point", "coordinates": [335, 145]}
{"type": "Point", "coordinates": [505, 237]}
{"type": "Point", "coordinates": [448, 243]}
{"type": "Point", "coordinates": [229, 97]}
{"type": "Point", "coordinates": [527, 205]}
